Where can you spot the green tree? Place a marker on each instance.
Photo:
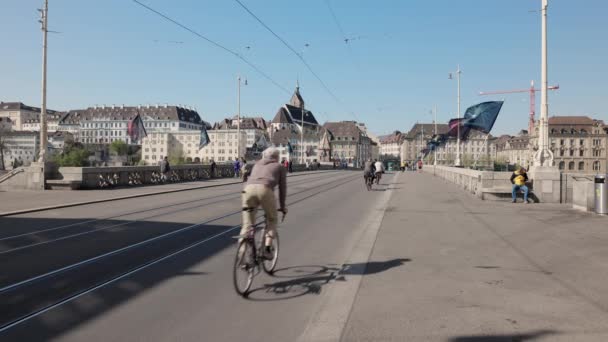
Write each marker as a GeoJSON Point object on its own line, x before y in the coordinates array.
{"type": "Point", "coordinates": [119, 147]}
{"type": "Point", "coordinates": [72, 155]}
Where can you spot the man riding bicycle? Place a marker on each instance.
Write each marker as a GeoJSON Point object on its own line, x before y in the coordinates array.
{"type": "Point", "coordinates": [379, 169]}
{"type": "Point", "coordinates": [259, 191]}
{"type": "Point", "coordinates": [368, 172]}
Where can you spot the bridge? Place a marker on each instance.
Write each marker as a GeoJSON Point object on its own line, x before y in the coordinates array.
{"type": "Point", "coordinates": [431, 256]}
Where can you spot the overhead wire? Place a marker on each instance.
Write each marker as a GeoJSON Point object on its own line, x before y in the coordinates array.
{"type": "Point", "coordinates": [292, 50]}
{"type": "Point", "coordinates": [216, 44]}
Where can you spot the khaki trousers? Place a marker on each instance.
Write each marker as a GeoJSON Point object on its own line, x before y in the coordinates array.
{"type": "Point", "coordinates": [256, 195]}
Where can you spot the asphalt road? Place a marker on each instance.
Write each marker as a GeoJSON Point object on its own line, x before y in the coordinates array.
{"type": "Point", "coordinates": [160, 268]}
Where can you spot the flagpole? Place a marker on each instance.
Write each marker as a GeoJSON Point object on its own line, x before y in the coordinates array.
{"type": "Point", "coordinates": [238, 119]}
{"type": "Point", "coordinates": [435, 120]}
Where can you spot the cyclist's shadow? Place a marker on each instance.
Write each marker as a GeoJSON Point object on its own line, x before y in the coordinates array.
{"type": "Point", "coordinates": [298, 281]}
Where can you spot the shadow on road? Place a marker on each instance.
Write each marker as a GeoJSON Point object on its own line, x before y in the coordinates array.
{"type": "Point", "coordinates": [505, 338]}
{"type": "Point", "coordinates": [88, 306]}
{"type": "Point", "coordinates": [310, 279]}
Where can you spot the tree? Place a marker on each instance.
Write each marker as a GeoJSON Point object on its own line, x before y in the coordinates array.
{"type": "Point", "coordinates": [73, 155]}
{"type": "Point", "coordinates": [119, 147]}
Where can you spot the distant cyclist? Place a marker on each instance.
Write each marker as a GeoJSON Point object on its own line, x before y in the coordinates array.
{"type": "Point", "coordinates": [259, 191]}
{"type": "Point", "coordinates": [368, 173]}
{"type": "Point", "coordinates": [378, 171]}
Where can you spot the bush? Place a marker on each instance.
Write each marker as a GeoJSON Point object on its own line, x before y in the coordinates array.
{"type": "Point", "coordinates": [119, 147]}
{"type": "Point", "coordinates": [72, 156]}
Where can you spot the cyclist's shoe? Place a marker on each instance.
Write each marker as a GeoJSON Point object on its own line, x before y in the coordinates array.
{"type": "Point", "coordinates": [268, 253]}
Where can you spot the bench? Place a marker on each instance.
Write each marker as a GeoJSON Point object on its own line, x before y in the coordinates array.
{"type": "Point", "coordinates": [504, 193]}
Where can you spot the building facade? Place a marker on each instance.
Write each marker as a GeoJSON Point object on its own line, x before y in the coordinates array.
{"type": "Point", "coordinates": [21, 147]}
{"type": "Point", "coordinates": [349, 143]}
{"type": "Point", "coordinates": [222, 147]}
{"type": "Point", "coordinates": [578, 144]}
{"type": "Point", "coordinates": [295, 126]}
{"type": "Point", "coordinates": [417, 139]}
{"type": "Point", "coordinates": [19, 113]}
{"type": "Point", "coordinates": [477, 151]}
{"type": "Point", "coordinates": [390, 145]}
{"type": "Point", "coordinates": [106, 124]}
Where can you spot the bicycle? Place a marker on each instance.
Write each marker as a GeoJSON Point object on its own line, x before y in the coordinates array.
{"type": "Point", "coordinates": [369, 181]}
{"type": "Point", "coordinates": [250, 255]}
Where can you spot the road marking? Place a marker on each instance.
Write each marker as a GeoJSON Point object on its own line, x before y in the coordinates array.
{"type": "Point", "coordinates": [328, 323]}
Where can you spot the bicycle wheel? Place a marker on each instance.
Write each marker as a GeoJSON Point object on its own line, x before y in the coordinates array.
{"type": "Point", "coordinates": [244, 267]}
{"type": "Point", "coordinates": [269, 265]}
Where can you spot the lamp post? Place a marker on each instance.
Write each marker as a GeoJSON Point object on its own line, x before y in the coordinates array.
{"type": "Point", "coordinates": [43, 133]}
{"type": "Point", "coordinates": [544, 156]}
{"type": "Point", "coordinates": [457, 161]}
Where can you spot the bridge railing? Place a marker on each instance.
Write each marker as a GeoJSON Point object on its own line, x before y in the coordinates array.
{"type": "Point", "coordinates": [102, 177]}
{"type": "Point", "coordinates": [473, 181]}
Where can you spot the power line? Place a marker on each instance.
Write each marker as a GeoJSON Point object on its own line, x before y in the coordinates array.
{"type": "Point", "coordinates": [292, 50]}
{"type": "Point", "coordinates": [218, 45]}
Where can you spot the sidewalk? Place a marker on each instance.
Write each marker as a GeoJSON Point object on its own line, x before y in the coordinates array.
{"type": "Point", "coordinates": [16, 201]}
{"type": "Point", "coordinates": [449, 267]}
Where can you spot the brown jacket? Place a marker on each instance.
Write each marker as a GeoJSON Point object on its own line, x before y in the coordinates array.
{"type": "Point", "coordinates": [270, 173]}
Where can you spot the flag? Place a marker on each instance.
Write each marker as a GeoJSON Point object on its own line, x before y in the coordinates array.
{"type": "Point", "coordinates": [204, 139]}
{"type": "Point", "coordinates": [482, 116]}
{"type": "Point", "coordinates": [456, 126]}
{"type": "Point", "coordinates": [289, 148]}
{"type": "Point", "coordinates": [136, 129]}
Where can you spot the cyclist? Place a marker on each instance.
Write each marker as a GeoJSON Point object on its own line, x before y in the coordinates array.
{"type": "Point", "coordinates": [259, 191]}
{"type": "Point", "coordinates": [368, 172]}
{"type": "Point", "coordinates": [379, 170]}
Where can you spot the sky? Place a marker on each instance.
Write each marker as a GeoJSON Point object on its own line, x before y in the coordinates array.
{"type": "Point", "coordinates": [391, 73]}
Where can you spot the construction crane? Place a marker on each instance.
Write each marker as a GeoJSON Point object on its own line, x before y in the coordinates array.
{"type": "Point", "coordinates": [532, 92]}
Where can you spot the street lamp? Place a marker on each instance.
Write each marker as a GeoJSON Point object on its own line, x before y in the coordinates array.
{"type": "Point", "coordinates": [457, 161]}
{"type": "Point", "coordinates": [238, 118]}
{"type": "Point", "coordinates": [43, 134]}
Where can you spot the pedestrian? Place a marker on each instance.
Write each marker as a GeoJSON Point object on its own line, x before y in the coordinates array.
{"type": "Point", "coordinates": [307, 165]}
{"type": "Point", "coordinates": [420, 165]}
{"type": "Point", "coordinates": [165, 168]}
{"type": "Point", "coordinates": [290, 166]}
{"type": "Point", "coordinates": [244, 169]}
{"type": "Point", "coordinates": [403, 165]}
{"type": "Point", "coordinates": [519, 179]}
{"type": "Point", "coordinates": [237, 168]}
{"type": "Point", "coordinates": [213, 167]}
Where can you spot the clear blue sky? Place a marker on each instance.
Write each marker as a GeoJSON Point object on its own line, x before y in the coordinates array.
{"type": "Point", "coordinates": [390, 77]}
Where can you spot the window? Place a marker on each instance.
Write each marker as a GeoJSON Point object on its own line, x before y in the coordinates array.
{"type": "Point", "coordinates": [581, 142]}
{"type": "Point", "coordinates": [571, 153]}
{"type": "Point", "coordinates": [561, 153]}
{"type": "Point", "coordinates": [561, 142]}
{"type": "Point", "coordinates": [571, 142]}
{"type": "Point", "coordinates": [596, 166]}
{"type": "Point", "coordinates": [581, 166]}
{"type": "Point", "coordinates": [581, 153]}
{"type": "Point", "coordinates": [571, 166]}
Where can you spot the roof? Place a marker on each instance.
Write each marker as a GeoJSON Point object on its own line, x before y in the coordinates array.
{"type": "Point", "coordinates": [174, 113]}
{"type": "Point", "coordinates": [348, 129]}
{"type": "Point", "coordinates": [430, 128]}
{"type": "Point", "coordinates": [571, 120]}
{"type": "Point", "coordinates": [395, 138]}
{"type": "Point", "coordinates": [296, 115]}
{"type": "Point", "coordinates": [282, 117]}
{"type": "Point", "coordinates": [5, 106]}
{"type": "Point", "coordinates": [246, 123]}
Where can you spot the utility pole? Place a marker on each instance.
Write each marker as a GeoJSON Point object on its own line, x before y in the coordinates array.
{"type": "Point", "coordinates": [435, 121]}
{"type": "Point", "coordinates": [238, 118]}
{"type": "Point", "coordinates": [457, 161]}
{"type": "Point", "coordinates": [544, 156]}
{"type": "Point", "coordinates": [43, 134]}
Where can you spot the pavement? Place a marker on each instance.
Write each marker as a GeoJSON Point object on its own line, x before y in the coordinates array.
{"type": "Point", "coordinates": [417, 259]}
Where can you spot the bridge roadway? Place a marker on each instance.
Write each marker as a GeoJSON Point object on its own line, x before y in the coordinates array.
{"type": "Point", "coordinates": [415, 260]}
{"type": "Point", "coordinates": [62, 255]}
